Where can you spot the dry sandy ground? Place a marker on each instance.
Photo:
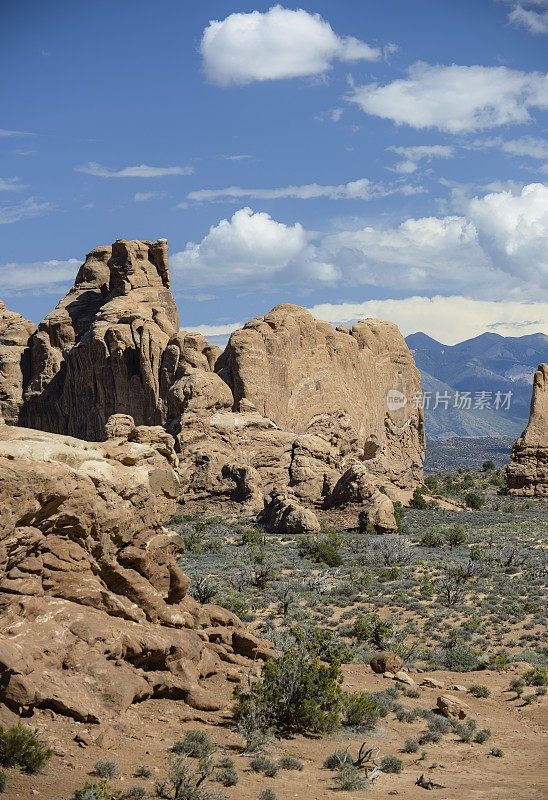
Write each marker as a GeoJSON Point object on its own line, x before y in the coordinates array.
{"type": "Point", "coordinates": [466, 771]}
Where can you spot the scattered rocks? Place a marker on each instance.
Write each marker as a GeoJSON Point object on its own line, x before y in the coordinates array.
{"type": "Point", "coordinates": [432, 683]}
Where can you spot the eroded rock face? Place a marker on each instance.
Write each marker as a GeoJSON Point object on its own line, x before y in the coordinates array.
{"type": "Point", "coordinates": [527, 473]}
{"type": "Point", "coordinates": [100, 351]}
{"type": "Point", "coordinates": [94, 610]}
{"type": "Point", "coordinates": [297, 370]}
{"type": "Point", "coordinates": [282, 514]}
{"type": "Point", "coordinates": [15, 332]}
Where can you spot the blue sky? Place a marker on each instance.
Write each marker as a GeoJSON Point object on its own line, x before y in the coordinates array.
{"type": "Point", "coordinates": [361, 159]}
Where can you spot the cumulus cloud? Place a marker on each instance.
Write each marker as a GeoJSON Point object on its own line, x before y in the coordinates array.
{"type": "Point", "coordinates": [279, 43]}
{"type": "Point", "coordinates": [141, 171]}
{"type": "Point", "coordinates": [248, 246]}
{"type": "Point", "coordinates": [455, 99]}
{"type": "Point", "coordinates": [31, 207]}
{"type": "Point", "coordinates": [412, 156]}
{"type": "Point", "coordinates": [361, 189]}
{"type": "Point", "coordinates": [535, 22]}
{"type": "Point", "coordinates": [37, 277]}
{"type": "Point", "coordinates": [449, 319]}
{"type": "Point", "coordinates": [496, 244]}
{"type": "Point", "coordinates": [513, 230]}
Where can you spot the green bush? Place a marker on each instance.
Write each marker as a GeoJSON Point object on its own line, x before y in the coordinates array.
{"type": "Point", "coordinates": [371, 628]}
{"type": "Point", "coordinates": [349, 779]}
{"type": "Point", "coordinates": [195, 744]}
{"type": "Point", "coordinates": [323, 548]}
{"type": "Point", "coordinates": [99, 790]}
{"type": "Point", "coordinates": [361, 711]}
{"type": "Point", "coordinates": [418, 501]}
{"type": "Point", "coordinates": [337, 759]}
{"type": "Point", "coordinates": [392, 764]}
{"type": "Point", "coordinates": [410, 746]}
{"type": "Point", "coordinates": [482, 736]}
{"type": "Point", "coordinates": [432, 538]}
{"type": "Point", "coordinates": [538, 676]}
{"type": "Point", "coordinates": [134, 793]}
{"type": "Point", "coordinates": [474, 500]}
{"type": "Point", "coordinates": [225, 772]}
{"type": "Point", "coordinates": [297, 691]}
{"type": "Point", "coordinates": [456, 535]}
{"type": "Point", "coordinates": [267, 794]}
{"type": "Point", "coordinates": [142, 771]}
{"type": "Point", "coordinates": [105, 768]}
{"type": "Point", "coordinates": [21, 747]}
{"type": "Point", "coordinates": [477, 690]}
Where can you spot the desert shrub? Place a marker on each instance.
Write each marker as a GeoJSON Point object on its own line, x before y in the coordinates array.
{"type": "Point", "coordinates": [267, 794]}
{"type": "Point", "coordinates": [195, 744]}
{"type": "Point", "coordinates": [264, 765]}
{"type": "Point", "coordinates": [323, 548]}
{"type": "Point", "coordinates": [482, 735]}
{"type": "Point", "coordinates": [134, 793]}
{"type": "Point", "coordinates": [438, 723]}
{"type": "Point", "coordinates": [465, 730]}
{"type": "Point", "coordinates": [337, 759]}
{"type": "Point", "coordinates": [349, 779]}
{"type": "Point", "coordinates": [203, 590]}
{"type": "Point", "coordinates": [225, 772]}
{"type": "Point", "coordinates": [371, 628]}
{"type": "Point", "coordinates": [488, 466]}
{"type": "Point", "coordinates": [477, 690]}
{"type": "Point", "coordinates": [474, 500]}
{"type": "Point", "coordinates": [413, 694]}
{"type": "Point", "coordinates": [21, 747]}
{"type": "Point", "coordinates": [290, 762]}
{"type": "Point", "coordinates": [430, 737]}
{"type": "Point", "coordinates": [432, 538]}
{"type": "Point", "coordinates": [253, 537]}
{"type": "Point", "coordinates": [3, 782]}
{"type": "Point", "coordinates": [457, 657]}
{"type": "Point", "coordinates": [235, 602]}
{"type": "Point", "coordinates": [360, 710]}
{"type": "Point", "coordinates": [456, 535]}
{"type": "Point", "coordinates": [142, 771]}
{"type": "Point", "coordinates": [106, 768]}
{"type": "Point", "coordinates": [431, 483]}
{"type": "Point", "coordinates": [392, 764]}
{"type": "Point", "coordinates": [496, 752]}
{"type": "Point", "coordinates": [297, 691]}
{"type": "Point", "coordinates": [538, 676]}
{"type": "Point", "coordinates": [410, 746]}
{"type": "Point", "coordinates": [183, 782]}
{"type": "Point", "coordinates": [94, 791]}
{"type": "Point", "coordinates": [418, 500]}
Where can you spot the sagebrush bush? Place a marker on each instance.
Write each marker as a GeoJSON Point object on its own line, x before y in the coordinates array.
{"type": "Point", "coordinates": [195, 744]}
{"type": "Point", "coordinates": [337, 759]}
{"type": "Point", "coordinates": [106, 768]}
{"type": "Point", "coordinates": [410, 746]}
{"type": "Point", "coordinates": [477, 690]}
{"type": "Point", "coordinates": [290, 762]}
{"type": "Point", "coordinates": [21, 747]}
{"type": "Point", "coordinates": [134, 793]}
{"type": "Point", "coordinates": [267, 794]}
{"type": "Point", "coordinates": [349, 779]}
{"type": "Point", "coordinates": [99, 790]}
{"type": "Point", "coordinates": [264, 765]}
{"type": "Point", "coordinates": [142, 771]}
{"type": "Point", "coordinates": [392, 764]}
{"type": "Point", "coordinates": [361, 711]}
{"type": "Point", "coordinates": [496, 752]}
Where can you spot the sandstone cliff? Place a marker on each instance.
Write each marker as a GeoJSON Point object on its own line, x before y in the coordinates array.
{"type": "Point", "coordinates": [94, 610]}
{"type": "Point", "coordinates": [100, 351]}
{"type": "Point", "coordinates": [15, 332]}
{"type": "Point", "coordinates": [527, 473]}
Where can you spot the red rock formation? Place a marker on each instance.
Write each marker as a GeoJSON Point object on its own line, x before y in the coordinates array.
{"type": "Point", "coordinates": [527, 473]}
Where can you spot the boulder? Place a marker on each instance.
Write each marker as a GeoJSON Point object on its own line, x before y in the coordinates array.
{"type": "Point", "coordinates": [403, 677]}
{"type": "Point", "coordinates": [281, 514]}
{"type": "Point", "coordinates": [527, 473]}
{"type": "Point", "coordinates": [432, 683]}
{"type": "Point", "coordinates": [451, 706]}
{"type": "Point", "coordinates": [386, 662]}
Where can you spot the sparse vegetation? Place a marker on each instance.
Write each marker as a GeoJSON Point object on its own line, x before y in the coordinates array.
{"type": "Point", "coordinates": [22, 748]}
{"type": "Point", "coordinates": [106, 768]}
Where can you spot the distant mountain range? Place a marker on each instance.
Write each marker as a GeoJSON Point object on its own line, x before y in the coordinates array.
{"type": "Point", "coordinates": [487, 367]}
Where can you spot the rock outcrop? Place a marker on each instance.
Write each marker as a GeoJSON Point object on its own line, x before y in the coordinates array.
{"type": "Point", "coordinates": [94, 610]}
{"type": "Point", "coordinates": [100, 351]}
{"type": "Point", "coordinates": [281, 514]}
{"type": "Point", "coordinates": [527, 473]}
{"type": "Point", "coordinates": [290, 406]}
{"type": "Point", "coordinates": [15, 332]}
{"type": "Point", "coordinates": [302, 373]}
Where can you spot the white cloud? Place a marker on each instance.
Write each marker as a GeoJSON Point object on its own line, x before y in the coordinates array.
{"type": "Point", "coordinates": [280, 43]}
{"type": "Point", "coordinates": [361, 189]}
{"type": "Point", "coordinates": [53, 277]}
{"type": "Point", "coordinates": [496, 244]}
{"type": "Point", "coordinates": [412, 156]}
{"type": "Point", "coordinates": [455, 99]}
{"type": "Point", "coordinates": [529, 146]}
{"type": "Point", "coordinates": [143, 197]}
{"type": "Point", "coordinates": [11, 185]}
{"type": "Point", "coordinates": [19, 211]}
{"type": "Point", "coordinates": [449, 319]}
{"type": "Point", "coordinates": [248, 246]}
{"type": "Point", "coordinates": [141, 171]}
{"type": "Point", "coordinates": [9, 134]}
{"type": "Point", "coordinates": [535, 22]}
{"type": "Point", "coordinates": [513, 230]}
